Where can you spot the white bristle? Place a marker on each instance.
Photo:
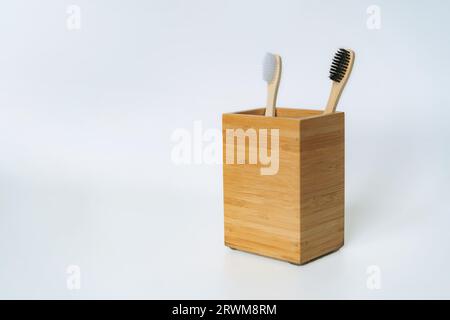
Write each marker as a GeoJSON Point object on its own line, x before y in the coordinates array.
{"type": "Point", "coordinates": [269, 67]}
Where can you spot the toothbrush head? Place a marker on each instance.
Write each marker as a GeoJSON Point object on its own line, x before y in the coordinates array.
{"type": "Point", "coordinates": [270, 65]}
{"type": "Point", "coordinates": [340, 64]}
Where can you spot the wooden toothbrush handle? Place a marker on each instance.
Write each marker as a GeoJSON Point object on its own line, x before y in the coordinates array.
{"type": "Point", "coordinates": [271, 100]}
{"type": "Point", "coordinates": [335, 94]}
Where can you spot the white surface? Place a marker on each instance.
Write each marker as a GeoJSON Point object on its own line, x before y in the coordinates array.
{"type": "Point", "coordinates": [86, 116]}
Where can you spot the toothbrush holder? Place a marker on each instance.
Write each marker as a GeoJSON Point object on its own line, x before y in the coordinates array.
{"type": "Point", "coordinates": [283, 183]}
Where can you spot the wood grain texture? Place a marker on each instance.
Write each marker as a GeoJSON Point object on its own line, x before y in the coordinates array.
{"type": "Point", "coordinates": [321, 185]}
{"type": "Point", "coordinates": [262, 212]}
{"type": "Point", "coordinates": [297, 214]}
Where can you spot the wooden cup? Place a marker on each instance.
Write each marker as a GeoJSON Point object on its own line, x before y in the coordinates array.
{"type": "Point", "coordinates": [297, 213]}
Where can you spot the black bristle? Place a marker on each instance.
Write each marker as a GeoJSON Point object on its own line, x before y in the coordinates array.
{"type": "Point", "coordinates": [339, 65]}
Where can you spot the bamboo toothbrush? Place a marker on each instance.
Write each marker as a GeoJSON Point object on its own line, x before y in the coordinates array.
{"type": "Point", "coordinates": [272, 75]}
{"type": "Point", "coordinates": [340, 70]}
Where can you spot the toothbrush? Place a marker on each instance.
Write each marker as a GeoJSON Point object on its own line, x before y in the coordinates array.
{"type": "Point", "coordinates": [272, 75]}
{"type": "Point", "coordinates": [340, 70]}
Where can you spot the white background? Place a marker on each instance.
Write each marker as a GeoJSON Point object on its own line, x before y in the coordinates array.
{"type": "Point", "coordinates": [86, 117]}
